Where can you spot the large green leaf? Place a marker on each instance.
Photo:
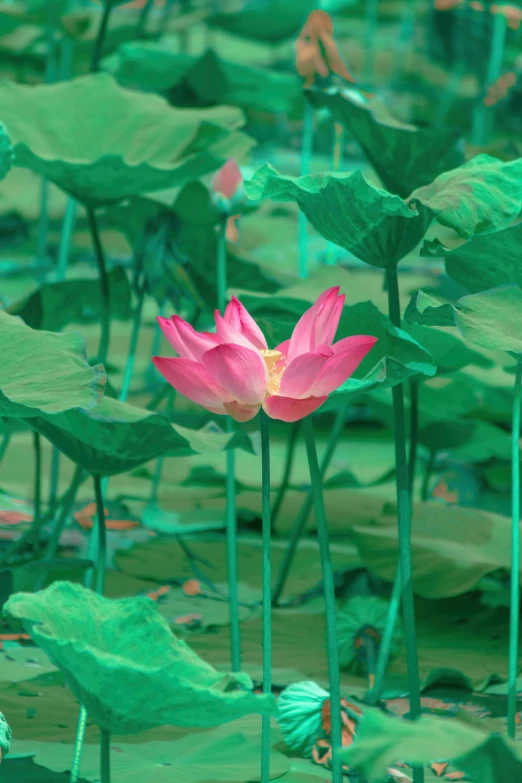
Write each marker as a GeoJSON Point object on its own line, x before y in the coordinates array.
{"type": "Point", "coordinates": [129, 671]}
{"type": "Point", "coordinates": [374, 225]}
{"type": "Point", "coordinates": [273, 21]}
{"type": "Point", "coordinates": [16, 769]}
{"type": "Point", "coordinates": [491, 319]}
{"type": "Point", "coordinates": [101, 143]}
{"type": "Point", "coordinates": [404, 157]}
{"type": "Point", "coordinates": [180, 246]}
{"type": "Point", "coordinates": [43, 372]}
{"type": "Point", "coordinates": [404, 357]}
{"type": "Point", "coordinates": [452, 547]}
{"type": "Point", "coordinates": [382, 741]}
{"type": "Point", "coordinates": [483, 195]}
{"type": "Point", "coordinates": [448, 352]}
{"type": "Point", "coordinates": [207, 80]}
{"type": "Point", "coordinates": [54, 305]}
{"type": "Point", "coordinates": [116, 437]}
{"type": "Point", "coordinates": [484, 261]}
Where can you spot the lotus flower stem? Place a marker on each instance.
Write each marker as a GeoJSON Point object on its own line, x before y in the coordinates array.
{"type": "Point", "coordinates": [37, 521]}
{"type": "Point", "coordinates": [231, 519]}
{"type": "Point", "coordinates": [289, 461]}
{"type": "Point", "coordinates": [104, 289]}
{"type": "Point", "coordinates": [267, 602]}
{"type": "Point", "coordinates": [78, 745]}
{"type": "Point", "coordinates": [481, 125]}
{"type": "Point", "coordinates": [306, 159]}
{"type": "Point", "coordinates": [414, 433]}
{"type": "Point", "coordinates": [371, 17]}
{"type": "Point", "coordinates": [427, 475]}
{"type": "Point", "coordinates": [337, 161]}
{"type": "Point", "coordinates": [329, 600]}
{"type": "Point", "coordinates": [302, 517]}
{"type": "Point", "coordinates": [100, 38]}
{"type": "Point", "coordinates": [43, 224]}
{"type": "Point", "coordinates": [375, 691]}
{"type": "Point", "coordinates": [101, 557]}
{"type": "Point", "coordinates": [514, 607]}
{"type": "Point", "coordinates": [141, 28]}
{"type": "Point", "coordinates": [105, 757]}
{"type": "Point", "coordinates": [136, 323]}
{"type": "Point", "coordinates": [5, 443]}
{"type": "Point", "coordinates": [150, 375]}
{"type": "Point", "coordinates": [404, 508]}
{"type": "Point", "coordinates": [69, 221]}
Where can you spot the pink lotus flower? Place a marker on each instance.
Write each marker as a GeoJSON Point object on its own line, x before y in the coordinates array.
{"type": "Point", "coordinates": [233, 371]}
{"type": "Point", "coordinates": [227, 190]}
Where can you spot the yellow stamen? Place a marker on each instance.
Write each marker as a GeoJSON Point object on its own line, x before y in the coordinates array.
{"type": "Point", "coordinates": [274, 361]}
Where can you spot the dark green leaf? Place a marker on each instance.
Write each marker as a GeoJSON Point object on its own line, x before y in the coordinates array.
{"type": "Point", "coordinates": [447, 351]}
{"type": "Point", "coordinates": [374, 225]}
{"type": "Point", "coordinates": [54, 305]}
{"type": "Point", "coordinates": [116, 437]}
{"type": "Point", "coordinates": [15, 770]}
{"type": "Point", "coordinates": [44, 372]}
{"type": "Point", "coordinates": [404, 157]}
{"type": "Point", "coordinates": [273, 21]}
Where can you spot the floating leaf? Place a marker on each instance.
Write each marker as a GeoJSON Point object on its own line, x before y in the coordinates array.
{"type": "Point", "coordinates": [116, 437]}
{"type": "Point", "coordinates": [43, 372]}
{"type": "Point", "coordinates": [382, 741]}
{"type": "Point", "coordinates": [129, 671]}
{"type": "Point", "coordinates": [483, 195]}
{"type": "Point", "coordinates": [206, 80]}
{"type": "Point", "coordinates": [491, 319]}
{"type": "Point", "coordinates": [484, 261]}
{"type": "Point", "coordinates": [54, 305]}
{"type": "Point", "coordinates": [404, 157]}
{"type": "Point", "coordinates": [194, 759]}
{"type": "Point", "coordinates": [374, 225]}
{"type": "Point", "coordinates": [101, 143]}
{"type": "Point", "coordinates": [452, 547]}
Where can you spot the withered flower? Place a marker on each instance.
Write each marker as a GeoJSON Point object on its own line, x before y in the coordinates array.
{"type": "Point", "coordinates": [317, 53]}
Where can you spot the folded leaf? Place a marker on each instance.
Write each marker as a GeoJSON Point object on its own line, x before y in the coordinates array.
{"type": "Point", "coordinates": [125, 666]}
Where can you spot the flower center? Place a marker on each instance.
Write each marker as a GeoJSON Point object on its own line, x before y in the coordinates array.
{"type": "Point", "coordinates": [275, 364]}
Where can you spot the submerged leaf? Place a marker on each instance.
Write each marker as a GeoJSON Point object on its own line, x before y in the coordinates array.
{"type": "Point", "coordinates": [101, 143]}
{"type": "Point", "coordinates": [374, 225]}
{"type": "Point", "coordinates": [117, 437]}
{"type": "Point", "coordinates": [123, 664]}
{"type": "Point", "coordinates": [404, 157]}
{"type": "Point", "coordinates": [43, 372]}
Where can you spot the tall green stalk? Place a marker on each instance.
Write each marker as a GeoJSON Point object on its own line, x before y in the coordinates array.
{"type": "Point", "coordinates": [414, 433]}
{"type": "Point", "coordinates": [374, 693]}
{"type": "Point", "coordinates": [6, 437]}
{"type": "Point", "coordinates": [231, 519]}
{"type": "Point", "coordinates": [514, 607]}
{"type": "Point", "coordinates": [37, 520]}
{"type": "Point", "coordinates": [105, 757]}
{"type": "Point", "coordinates": [131, 356]}
{"type": "Point", "coordinates": [101, 560]}
{"type": "Point", "coordinates": [304, 513]}
{"type": "Point", "coordinates": [105, 316]}
{"type": "Point", "coordinates": [337, 162]}
{"type": "Point", "coordinates": [306, 160]}
{"type": "Point", "coordinates": [371, 17]}
{"type": "Point", "coordinates": [100, 38]}
{"type": "Point", "coordinates": [329, 601]}
{"type": "Point", "coordinates": [287, 470]}
{"type": "Point", "coordinates": [267, 602]}
{"type": "Point", "coordinates": [404, 519]}
{"type": "Point", "coordinates": [482, 115]}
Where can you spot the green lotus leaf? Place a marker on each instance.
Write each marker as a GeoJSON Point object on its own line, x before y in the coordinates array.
{"type": "Point", "coordinates": [425, 310]}
{"type": "Point", "coordinates": [206, 80]}
{"type": "Point", "coordinates": [374, 225]}
{"type": "Point", "coordinates": [54, 305]}
{"type": "Point", "coordinates": [300, 715]}
{"type": "Point", "coordinates": [116, 437]}
{"type": "Point", "coordinates": [16, 769]}
{"type": "Point", "coordinates": [44, 373]}
{"type": "Point", "coordinates": [357, 615]}
{"type": "Point", "coordinates": [452, 547]}
{"type": "Point", "coordinates": [382, 741]}
{"type": "Point", "coordinates": [483, 195]}
{"type": "Point", "coordinates": [403, 357]}
{"type": "Point", "coordinates": [179, 247]}
{"type": "Point", "coordinates": [101, 143]}
{"type": "Point", "coordinates": [404, 157]}
{"type": "Point", "coordinates": [129, 671]}
{"type": "Point", "coordinates": [201, 757]}
{"type": "Point", "coordinates": [484, 261]}
{"type": "Point", "coordinates": [448, 351]}
{"type": "Point", "coordinates": [491, 319]}
{"type": "Point", "coordinates": [5, 735]}
{"type": "Point", "coordinates": [273, 21]}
